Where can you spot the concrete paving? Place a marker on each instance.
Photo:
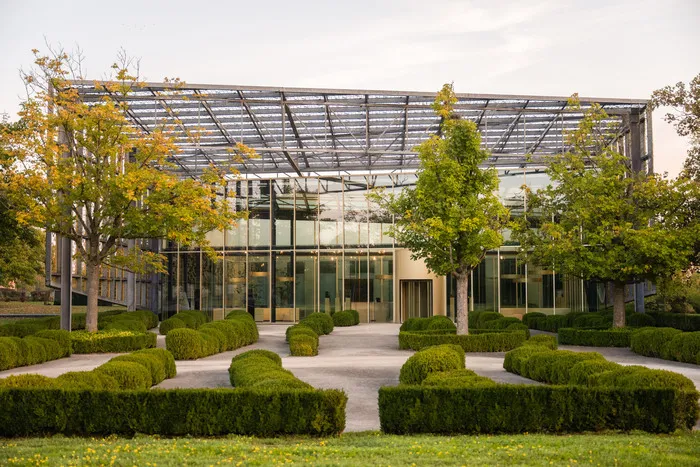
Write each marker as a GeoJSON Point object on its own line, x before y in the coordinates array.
{"type": "Point", "coordinates": [358, 359]}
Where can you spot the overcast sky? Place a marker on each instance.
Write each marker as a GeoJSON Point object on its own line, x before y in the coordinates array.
{"type": "Point", "coordinates": [605, 48]}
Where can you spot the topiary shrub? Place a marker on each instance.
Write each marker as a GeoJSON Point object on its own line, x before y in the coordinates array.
{"type": "Point", "coordinates": [169, 324]}
{"type": "Point", "coordinates": [590, 320]}
{"type": "Point", "coordinates": [457, 378]}
{"type": "Point", "coordinates": [440, 322]}
{"type": "Point", "coordinates": [486, 316]}
{"type": "Point", "coordinates": [262, 370]}
{"type": "Point", "coordinates": [321, 323]}
{"type": "Point", "coordinates": [344, 318]}
{"type": "Point", "coordinates": [152, 363]}
{"type": "Point", "coordinates": [129, 375]}
{"type": "Point", "coordinates": [530, 318]}
{"type": "Point", "coordinates": [303, 340]}
{"type": "Point", "coordinates": [683, 347]}
{"type": "Point", "coordinates": [639, 377]}
{"type": "Point", "coordinates": [269, 354]}
{"type": "Point", "coordinates": [184, 344]}
{"type": "Point", "coordinates": [554, 367]}
{"type": "Point", "coordinates": [87, 380]}
{"type": "Point", "coordinates": [9, 353]}
{"type": "Point", "coordinates": [543, 340]}
{"type": "Point", "coordinates": [238, 312]}
{"type": "Point", "coordinates": [615, 337]}
{"type": "Point", "coordinates": [501, 323]}
{"type": "Point", "coordinates": [27, 381]}
{"type": "Point", "coordinates": [60, 336]}
{"type": "Point", "coordinates": [486, 341]}
{"type": "Point", "coordinates": [652, 342]}
{"type": "Point", "coordinates": [582, 371]}
{"type": "Point", "coordinates": [640, 320]}
{"type": "Point", "coordinates": [414, 324]}
{"type": "Point", "coordinates": [166, 358]}
{"type": "Point", "coordinates": [438, 358]}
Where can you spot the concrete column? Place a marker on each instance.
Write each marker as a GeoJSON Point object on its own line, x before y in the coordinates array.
{"type": "Point", "coordinates": [66, 284]}
{"type": "Point", "coordinates": [636, 158]}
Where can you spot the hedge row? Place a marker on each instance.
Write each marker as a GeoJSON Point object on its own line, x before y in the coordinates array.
{"type": "Point", "coordinates": [303, 337]}
{"type": "Point", "coordinates": [190, 319]}
{"type": "Point", "coordinates": [528, 409]}
{"type": "Point", "coordinates": [137, 321]}
{"type": "Point", "coordinates": [111, 341]}
{"type": "Point", "coordinates": [29, 326]}
{"type": "Point", "coordinates": [588, 369]}
{"type": "Point", "coordinates": [603, 319]}
{"type": "Point", "coordinates": [667, 343]}
{"type": "Point", "coordinates": [346, 318]}
{"type": "Point", "coordinates": [487, 342]}
{"type": "Point", "coordinates": [39, 348]}
{"type": "Point", "coordinates": [175, 412]}
{"type": "Point", "coordinates": [262, 369]}
{"type": "Point", "coordinates": [615, 337]}
{"type": "Point", "coordinates": [212, 338]}
{"type": "Point", "coordinates": [430, 360]}
{"type": "Point", "coordinates": [138, 370]}
{"type": "Point", "coordinates": [682, 321]}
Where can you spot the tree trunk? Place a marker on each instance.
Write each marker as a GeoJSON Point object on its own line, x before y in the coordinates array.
{"type": "Point", "coordinates": [619, 304]}
{"type": "Point", "coordinates": [93, 282]}
{"type": "Point", "coordinates": [462, 303]}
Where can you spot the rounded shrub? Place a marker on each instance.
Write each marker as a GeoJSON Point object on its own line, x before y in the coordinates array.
{"type": "Point", "coordinates": [62, 337]}
{"type": "Point", "coordinates": [582, 371]}
{"type": "Point", "coordinates": [640, 320]}
{"type": "Point", "coordinates": [639, 377]}
{"type": "Point", "coordinates": [239, 312]}
{"type": "Point", "coordinates": [218, 336]}
{"type": "Point", "coordinates": [169, 324]}
{"type": "Point", "coordinates": [129, 375]}
{"type": "Point", "coordinates": [554, 366]}
{"type": "Point", "coordinates": [321, 323]}
{"type": "Point", "coordinates": [133, 325]}
{"type": "Point", "coordinates": [281, 384]}
{"type": "Point", "coordinates": [27, 381]}
{"type": "Point", "coordinates": [269, 354]}
{"type": "Point", "coordinates": [486, 316]}
{"type": "Point", "coordinates": [530, 318]}
{"type": "Point", "coordinates": [151, 362]}
{"type": "Point", "coordinates": [543, 340]}
{"type": "Point", "coordinates": [184, 344]}
{"type": "Point", "coordinates": [440, 322]}
{"type": "Point", "coordinates": [9, 353]}
{"type": "Point", "coordinates": [199, 317]}
{"type": "Point", "coordinates": [431, 359]}
{"type": "Point", "coordinates": [590, 320]}
{"type": "Point", "coordinates": [300, 329]}
{"type": "Point", "coordinates": [166, 358]}
{"type": "Point", "coordinates": [93, 380]}
{"type": "Point", "coordinates": [652, 342]}
{"type": "Point", "coordinates": [500, 323]}
{"type": "Point", "coordinates": [343, 318]}
{"type": "Point", "coordinates": [683, 347]}
{"type": "Point", "coordinates": [250, 333]}
{"type": "Point", "coordinates": [111, 341]}
{"type": "Point", "coordinates": [301, 345]}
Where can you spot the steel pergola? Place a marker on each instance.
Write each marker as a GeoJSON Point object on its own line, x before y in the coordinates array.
{"type": "Point", "coordinates": [308, 132]}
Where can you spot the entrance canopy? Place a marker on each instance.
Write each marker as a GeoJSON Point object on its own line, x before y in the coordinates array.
{"type": "Point", "coordinates": [308, 132]}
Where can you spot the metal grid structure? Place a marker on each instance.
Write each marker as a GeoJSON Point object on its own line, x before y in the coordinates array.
{"type": "Point", "coordinates": [307, 132]}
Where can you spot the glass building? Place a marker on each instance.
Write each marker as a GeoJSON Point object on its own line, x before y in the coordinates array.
{"type": "Point", "coordinates": [312, 240]}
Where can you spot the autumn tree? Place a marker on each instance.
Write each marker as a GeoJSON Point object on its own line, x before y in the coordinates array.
{"type": "Point", "coordinates": [599, 220]}
{"type": "Point", "coordinates": [99, 180]}
{"type": "Point", "coordinates": [453, 216]}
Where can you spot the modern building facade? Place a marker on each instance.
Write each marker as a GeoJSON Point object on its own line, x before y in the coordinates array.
{"type": "Point", "coordinates": [313, 241]}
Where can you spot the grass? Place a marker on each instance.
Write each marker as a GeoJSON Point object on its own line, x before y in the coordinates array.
{"type": "Point", "coordinates": [370, 448]}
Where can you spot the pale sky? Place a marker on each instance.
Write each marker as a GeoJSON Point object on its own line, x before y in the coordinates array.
{"type": "Point", "coordinates": [599, 48]}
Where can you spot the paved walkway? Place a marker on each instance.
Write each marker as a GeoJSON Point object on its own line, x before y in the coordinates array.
{"type": "Point", "coordinates": [358, 359]}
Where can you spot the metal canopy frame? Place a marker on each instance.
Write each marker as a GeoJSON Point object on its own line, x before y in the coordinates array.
{"type": "Point", "coordinates": [310, 132]}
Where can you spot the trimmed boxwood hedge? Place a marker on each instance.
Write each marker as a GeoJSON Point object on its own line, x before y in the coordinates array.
{"type": "Point", "coordinates": [321, 323]}
{"type": "Point", "coordinates": [682, 321]}
{"type": "Point", "coordinates": [457, 378]}
{"type": "Point", "coordinates": [44, 346]}
{"type": "Point", "coordinates": [111, 341]}
{"type": "Point", "coordinates": [262, 370]}
{"type": "Point", "coordinates": [529, 409]}
{"type": "Point", "coordinates": [684, 347]}
{"type": "Point", "coordinates": [303, 341]}
{"type": "Point", "coordinates": [433, 323]}
{"type": "Point", "coordinates": [212, 338]}
{"type": "Point", "coordinates": [191, 319]}
{"type": "Point", "coordinates": [431, 360]}
{"type": "Point", "coordinates": [616, 337]}
{"type": "Point", "coordinates": [486, 342]}
{"type": "Point", "coordinates": [667, 343]}
{"type": "Point", "coordinates": [174, 412]}
{"type": "Point", "coordinates": [346, 318]}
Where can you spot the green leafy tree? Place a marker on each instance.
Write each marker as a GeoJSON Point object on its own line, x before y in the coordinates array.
{"type": "Point", "coordinates": [598, 220]}
{"type": "Point", "coordinates": [95, 178]}
{"type": "Point", "coordinates": [453, 216]}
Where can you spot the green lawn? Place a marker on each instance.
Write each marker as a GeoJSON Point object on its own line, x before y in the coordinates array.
{"type": "Point", "coordinates": [38, 308]}
{"type": "Point", "coordinates": [359, 449]}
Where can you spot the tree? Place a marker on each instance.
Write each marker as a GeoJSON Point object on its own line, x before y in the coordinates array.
{"type": "Point", "coordinates": [453, 216]}
{"type": "Point", "coordinates": [97, 179]}
{"type": "Point", "coordinates": [599, 220]}
{"type": "Point", "coordinates": [21, 246]}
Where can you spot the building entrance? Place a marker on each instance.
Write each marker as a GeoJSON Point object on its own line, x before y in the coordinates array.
{"type": "Point", "coordinates": [416, 299]}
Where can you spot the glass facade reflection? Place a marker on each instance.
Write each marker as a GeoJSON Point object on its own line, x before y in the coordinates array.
{"type": "Point", "coordinates": [318, 244]}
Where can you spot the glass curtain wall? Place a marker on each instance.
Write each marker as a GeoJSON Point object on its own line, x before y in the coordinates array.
{"type": "Point", "coordinates": [318, 244]}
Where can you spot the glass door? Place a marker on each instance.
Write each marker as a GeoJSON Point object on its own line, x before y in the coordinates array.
{"type": "Point", "coordinates": [416, 299]}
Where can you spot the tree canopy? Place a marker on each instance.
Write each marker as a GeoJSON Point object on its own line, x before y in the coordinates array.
{"type": "Point", "coordinates": [95, 178]}
{"type": "Point", "coordinates": [453, 216]}
{"type": "Point", "coordinates": [599, 220]}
